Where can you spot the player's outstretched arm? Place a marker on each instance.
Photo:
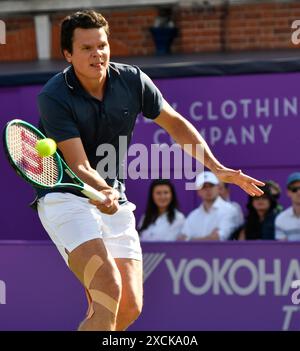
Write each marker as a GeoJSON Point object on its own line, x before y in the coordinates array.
{"type": "Point", "coordinates": [184, 133]}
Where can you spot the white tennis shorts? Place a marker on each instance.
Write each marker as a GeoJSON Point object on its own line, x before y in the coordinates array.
{"type": "Point", "coordinates": [71, 220]}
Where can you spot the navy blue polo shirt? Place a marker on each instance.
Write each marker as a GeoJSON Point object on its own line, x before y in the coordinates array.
{"type": "Point", "coordinates": [68, 111]}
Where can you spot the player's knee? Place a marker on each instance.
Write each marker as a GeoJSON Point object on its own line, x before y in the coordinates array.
{"type": "Point", "coordinates": [109, 281]}
{"type": "Point", "coordinates": [114, 288]}
{"type": "Point", "coordinates": [105, 292]}
{"type": "Point", "coordinates": [133, 310]}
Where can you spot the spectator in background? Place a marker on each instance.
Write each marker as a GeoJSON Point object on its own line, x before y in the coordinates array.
{"type": "Point", "coordinates": [260, 221]}
{"type": "Point", "coordinates": [224, 192]}
{"type": "Point", "coordinates": [287, 223]}
{"type": "Point", "coordinates": [214, 219]}
{"type": "Point", "coordinates": [276, 192]}
{"type": "Point", "coordinates": [162, 220]}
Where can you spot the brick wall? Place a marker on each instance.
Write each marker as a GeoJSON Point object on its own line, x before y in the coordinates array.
{"type": "Point", "coordinates": [239, 27]}
{"type": "Point", "coordinates": [129, 34]}
{"type": "Point", "coordinates": [20, 39]}
{"type": "Point", "coordinates": [199, 30]}
{"type": "Point", "coordinates": [264, 26]}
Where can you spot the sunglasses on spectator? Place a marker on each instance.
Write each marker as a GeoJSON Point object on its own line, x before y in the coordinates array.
{"type": "Point", "coordinates": [294, 189]}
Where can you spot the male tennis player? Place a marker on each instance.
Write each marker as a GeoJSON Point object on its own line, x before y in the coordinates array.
{"type": "Point", "coordinates": [92, 102]}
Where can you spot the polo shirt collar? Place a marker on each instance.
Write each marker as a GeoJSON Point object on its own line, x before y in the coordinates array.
{"type": "Point", "coordinates": [73, 82]}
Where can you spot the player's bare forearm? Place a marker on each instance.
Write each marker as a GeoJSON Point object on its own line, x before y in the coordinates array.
{"type": "Point", "coordinates": [184, 133]}
{"type": "Point", "coordinates": [91, 177]}
{"type": "Point", "coordinates": [187, 136]}
{"type": "Point", "coordinates": [76, 159]}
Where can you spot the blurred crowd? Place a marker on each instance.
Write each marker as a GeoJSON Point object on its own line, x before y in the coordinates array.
{"type": "Point", "coordinates": [219, 218]}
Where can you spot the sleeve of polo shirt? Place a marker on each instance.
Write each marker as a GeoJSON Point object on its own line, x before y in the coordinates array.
{"type": "Point", "coordinates": [56, 119]}
{"type": "Point", "coordinates": [152, 99]}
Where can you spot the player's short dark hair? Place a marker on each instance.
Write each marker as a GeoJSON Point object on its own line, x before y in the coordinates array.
{"type": "Point", "coordinates": [82, 19]}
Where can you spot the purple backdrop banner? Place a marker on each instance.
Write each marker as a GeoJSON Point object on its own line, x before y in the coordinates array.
{"type": "Point", "coordinates": [237, 115]}
{"type": "Point", "coordinates": [188, 286]}
{"type": "Point", "coordinates": [250, 121]}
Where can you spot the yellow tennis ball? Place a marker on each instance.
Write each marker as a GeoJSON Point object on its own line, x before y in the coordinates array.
{"type": "Point", "coordinates": [45, 147]}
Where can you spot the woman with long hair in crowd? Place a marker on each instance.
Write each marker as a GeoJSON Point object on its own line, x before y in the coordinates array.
{"type": "Point", "coordinates": [162, 220]}
{"type": "Point", "coordinates": [260, 221]}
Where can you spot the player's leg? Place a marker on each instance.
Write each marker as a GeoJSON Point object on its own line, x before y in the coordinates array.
{"type": "Point", "coordinates": [75, 227]}
{"type": "Point", "coordinates": [90, 310]}
{"type": "Point", "coordinates": [99, 274]}
{"type": "Point", "coordinates": [122, 240]}
{"type": "Point", "coordinates": [132, 292]}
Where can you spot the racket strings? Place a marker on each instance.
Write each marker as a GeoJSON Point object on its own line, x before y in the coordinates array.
{"type": "Point", "coordinates": [21, 143]}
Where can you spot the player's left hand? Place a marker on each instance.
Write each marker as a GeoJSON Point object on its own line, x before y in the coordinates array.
{"type": "Point", "coordinates": [110, 206]}
{"type": "Point", "coordinates": [248, 184]}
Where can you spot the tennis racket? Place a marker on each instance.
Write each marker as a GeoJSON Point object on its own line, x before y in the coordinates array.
{"type": "Point", "coordinates": [20, 138]}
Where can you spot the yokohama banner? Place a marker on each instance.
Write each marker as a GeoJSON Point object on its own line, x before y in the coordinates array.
{"type": "Point", "coordinates": [188, 286]}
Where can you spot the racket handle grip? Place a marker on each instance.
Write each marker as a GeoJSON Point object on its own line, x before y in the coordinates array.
{"type": "Point", "coordinates": [92, 193]}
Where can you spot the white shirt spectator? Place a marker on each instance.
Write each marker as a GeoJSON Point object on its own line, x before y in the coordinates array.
{"type": "Point", "coordinates": [239, 216]}
{"type": "Point", "coordinates": [287, 226]}
{"type": "Point", "coordinates": [162, 229]}
{"type": "Point", "coordinates": [201, 223]}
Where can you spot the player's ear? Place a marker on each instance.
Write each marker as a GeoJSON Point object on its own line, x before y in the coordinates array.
{"type": "Point", "coordinates": [68, 56]}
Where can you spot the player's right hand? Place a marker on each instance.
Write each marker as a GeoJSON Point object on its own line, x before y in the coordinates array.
{"type": "Point", "coordinates": [248, 184]}
{"type": "Point", "coordinates": [111, 204]}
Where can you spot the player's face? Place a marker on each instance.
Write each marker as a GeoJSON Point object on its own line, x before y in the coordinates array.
{"type": "Point", "coordinates": [162, 196]}
{"type": "Point", "coordinates": [294, 192]}
{"type": "Point", "coordinates": [91, 52]}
